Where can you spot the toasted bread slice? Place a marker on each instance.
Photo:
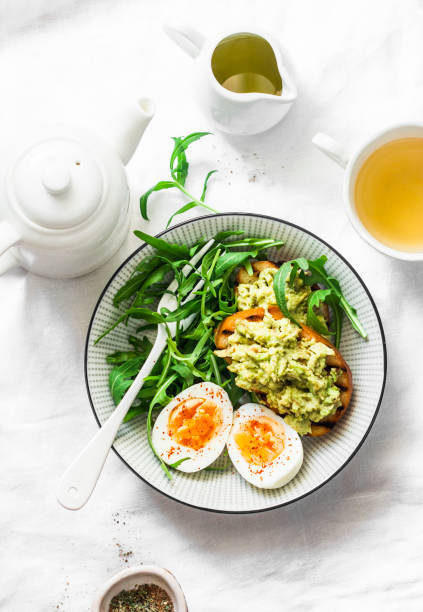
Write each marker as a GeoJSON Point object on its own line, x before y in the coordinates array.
{"type": "Point", "coordinates": [227, 327]}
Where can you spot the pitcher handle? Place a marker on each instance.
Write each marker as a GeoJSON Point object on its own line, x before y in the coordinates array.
{"type": "Point", "coordinates": [8, 238]}
{"type": "Point", "coordinates": [186, 37]}
{"type": "Point", "coordinates": [332, 148]}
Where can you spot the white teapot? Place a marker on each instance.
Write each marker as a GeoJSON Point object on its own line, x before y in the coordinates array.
{"type": "Point", "coordinates": [64, 198]}
{"type": "Point", "coordinates": [241, 79]}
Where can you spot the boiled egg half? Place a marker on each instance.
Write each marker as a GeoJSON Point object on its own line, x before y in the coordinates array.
{"type": "Point", "coordinates": [194, 425]}
{"type": "Point", "coordinates": [265, 450]}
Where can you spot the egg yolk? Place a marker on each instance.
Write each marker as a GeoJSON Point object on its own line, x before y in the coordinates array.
{"type": "Point", "coordinates": [194, 422]}
{"type": "Point", "coordinates": [260, 440]}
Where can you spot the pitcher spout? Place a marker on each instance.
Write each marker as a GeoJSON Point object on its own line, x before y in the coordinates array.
{"type": "Point", "coordinates": [289, 92]}
{"type": "Point", "coordinates": [126, 130]}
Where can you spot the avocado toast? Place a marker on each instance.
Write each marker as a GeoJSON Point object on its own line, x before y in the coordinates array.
{"type": "Point", "coordinates": [294, 370]}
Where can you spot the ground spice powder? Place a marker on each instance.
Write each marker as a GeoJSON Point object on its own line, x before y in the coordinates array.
{"type": "Point", "coordinates": [142, 598]}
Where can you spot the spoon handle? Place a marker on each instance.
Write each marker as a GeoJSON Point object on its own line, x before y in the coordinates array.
{"type": "Point", "coordinates": [80, 478]}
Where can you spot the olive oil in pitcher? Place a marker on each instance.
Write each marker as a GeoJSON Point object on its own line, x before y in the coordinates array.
{"type": "Point", "coordinates": [246, 63]}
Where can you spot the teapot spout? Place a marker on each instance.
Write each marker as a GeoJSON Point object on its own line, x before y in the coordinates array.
{"type": "Point", "coordinates": [128, 127]}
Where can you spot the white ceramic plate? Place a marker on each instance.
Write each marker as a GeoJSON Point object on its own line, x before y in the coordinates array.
{"type": "Point", "coordinates": [323, 457]}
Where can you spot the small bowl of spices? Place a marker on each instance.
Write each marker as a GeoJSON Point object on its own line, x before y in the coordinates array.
{"type": "Point", "coordinates": [141, 589]}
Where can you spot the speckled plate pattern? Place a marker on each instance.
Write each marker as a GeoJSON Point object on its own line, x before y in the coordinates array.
{"type": "Point", "coordinates": [324, 457]}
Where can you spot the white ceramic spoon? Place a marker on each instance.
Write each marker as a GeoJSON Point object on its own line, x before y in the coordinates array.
{"type": "Point", "coordinates": [79, 480]}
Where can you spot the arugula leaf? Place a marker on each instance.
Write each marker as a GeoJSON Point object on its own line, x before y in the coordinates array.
{"type": "Point", "coordinates": [121, 356]}
{"type": "Point", "coordinates": [313, 320]}
{"type": "Point", "coordinates": [230, 261]}
{"type": "Point", "coordinates": [174, 250]}
{"type": "Point", "coordinates": [180, 211]}
{"type": "Point", "coordinates": [157, 275]}
{"type": "Point", "coordinates": [138, 312]}
{"type": "Point", "coordinates": [222, 236]}
{"type": "Point", "coordinates": [121, 377]}
{"type": "Point", "coordinates": [249, 267]}
{"type": "Point", "coordinates": [279, 288]}
{"type": "Point", "coordinates": [129, 288]}
{"type": "Point", "coordinates": [319, 275]}
{"type": "Point", "coordinates": [135, 410]}
{"type": "Point", "coordinates": [259, 244]}
{"type": "Point", "coordinates": [146, 327]}
{"type": "Point", "coordinates": [178, 463]}
{"type": "Point", "coordinates": [147, 264]}
{"type": "Point", "coordinates": [157, 187]}
{"type": "Point", "coordinates": [184, 372]}
{"type": "Point", "coordinates": [179, 172]}
{"type": "Point", "coordinates": [188, 283]}
{"type": "Point", "coordinates": [161, 396]}
{"type": "Point", "coordinates": [183, 311]}
{"type": "Point", "coordinates": [208, 261]}
{"type": "Point", "coordinates": [337, 315]}
{"type": "Point", "coordinates": [142, 345]}
{"type": "Point", "coordinates": [314, 272]}
{"type": "Point", "coordinates": [214, 367]}
{"type": "Point", "coordinates": [206, 180]}
{"type": "Point", "coordinates": [158, 398]}
{"type": "Point", "coordinates": [192, 204]}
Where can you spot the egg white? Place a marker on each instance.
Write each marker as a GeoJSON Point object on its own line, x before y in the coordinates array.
{"type": "Point", "coordinates": [170, 451]}
{"type": "Point", "coordinates": [283, 468]}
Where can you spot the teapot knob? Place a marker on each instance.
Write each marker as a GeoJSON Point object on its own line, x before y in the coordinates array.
{"type": "Point", "coordinates": [56, 178]}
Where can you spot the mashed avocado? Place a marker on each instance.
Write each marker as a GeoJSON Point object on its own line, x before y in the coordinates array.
{"type": "Point", "coordinates": [260, 293]}
{"type": "Point", "coordinates": [271, 357]}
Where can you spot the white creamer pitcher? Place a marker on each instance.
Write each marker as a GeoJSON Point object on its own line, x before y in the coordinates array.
{"type": "Point", "coordinates": [64, 197]}
{"type": "Point", "coordinates": [241, 80]}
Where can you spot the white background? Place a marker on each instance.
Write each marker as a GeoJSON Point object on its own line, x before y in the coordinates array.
{"type": "Point", "coordinates": [358, 542]}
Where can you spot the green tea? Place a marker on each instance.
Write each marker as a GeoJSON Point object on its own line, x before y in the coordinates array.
{"type": "Point", "coordinates": [389, 194]}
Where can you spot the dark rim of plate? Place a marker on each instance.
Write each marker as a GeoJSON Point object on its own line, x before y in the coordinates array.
{"type": "Point", "coordinates": [287, 503]}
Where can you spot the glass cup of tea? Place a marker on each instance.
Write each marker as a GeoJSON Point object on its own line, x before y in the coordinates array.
{"type": "Point", "coordinates": [383, 188]}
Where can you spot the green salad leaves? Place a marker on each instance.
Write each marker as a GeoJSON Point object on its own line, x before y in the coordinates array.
{"type": "Point", "coordinates": [179, 173]}
{"type": "Point", "coordinates": [188, 357]}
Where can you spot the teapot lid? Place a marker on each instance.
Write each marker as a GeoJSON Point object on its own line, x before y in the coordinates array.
{"type": "Point", "coordinates": [57, 183]}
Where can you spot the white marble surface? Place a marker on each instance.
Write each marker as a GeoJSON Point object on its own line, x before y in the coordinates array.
{"type": "Point", "coordinates": [355, 544]}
